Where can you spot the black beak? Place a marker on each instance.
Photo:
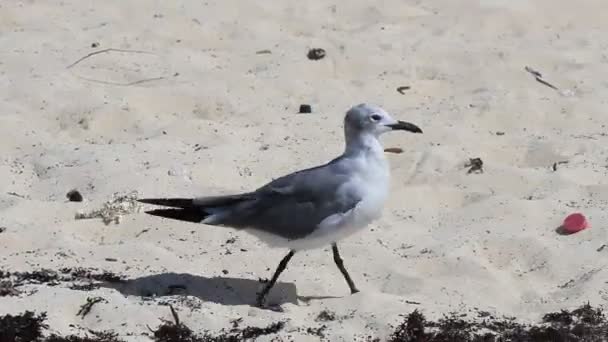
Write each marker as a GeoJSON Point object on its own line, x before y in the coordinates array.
{"type": "Point", "coordinates": [405, 126]}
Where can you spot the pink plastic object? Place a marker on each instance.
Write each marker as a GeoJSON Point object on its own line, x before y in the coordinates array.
{"type": "Point", "coordinates": [575, 223]}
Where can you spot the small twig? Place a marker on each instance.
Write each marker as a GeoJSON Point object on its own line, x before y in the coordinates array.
{"type": "Point", "coordinates": [547, 83]}
{"type": "Point", "coordinates": [12, 193]}
{"type": "Point", "coordinates": [533, 72]}
{"type": "Point", "coordinates": [539, 78]}
{"type": "Point", "coordinates": [86, 307]}
{"type": "Point", "coordinates": [402, 89]}
{"type": "Point", "coordinates": [393, 150]}
{"type": "Point", "coordinates": [558, 163]}
{"type": "Point", "coordinates": [412, 302]}
{"type": "Point", "coordinates": [106, 51]}
{"type": "Point", "coordinates": [592, 136]}
{"type": "Point", "coordinates": [123, 84]}
{"type": "Point", "coordinates": [143, 231]}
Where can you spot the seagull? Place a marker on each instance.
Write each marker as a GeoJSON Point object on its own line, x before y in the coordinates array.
{"type": "Point", "coordinates": [310, 208]}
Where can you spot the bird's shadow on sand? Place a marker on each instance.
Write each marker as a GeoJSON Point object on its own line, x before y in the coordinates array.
{"type": "Point", "coordinates": [221, 290]}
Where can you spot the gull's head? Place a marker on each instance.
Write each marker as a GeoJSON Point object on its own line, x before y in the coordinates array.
{"type": "Point", "coordinates": [369, 118]}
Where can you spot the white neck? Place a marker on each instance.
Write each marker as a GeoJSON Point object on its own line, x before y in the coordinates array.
{"type": "Point", "coordinates": [366, 143]}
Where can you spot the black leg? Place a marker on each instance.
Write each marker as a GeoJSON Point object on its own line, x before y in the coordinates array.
{"type": "Point", "coordinates": [340, 263]}
{"type": "Point", "coordinates": [277, 273]}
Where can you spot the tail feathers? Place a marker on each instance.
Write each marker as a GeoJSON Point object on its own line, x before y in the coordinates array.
{"type": "Point", "coordinates": [169, 202]}
{"type": "Point", "coordinates": [187, 214]}
{"type": "Point", "coordinates": [199, 202]}
{"type": "Point", "coordinates": [221, 201]}
{"type": "Point", "coordinates": [193, 210]}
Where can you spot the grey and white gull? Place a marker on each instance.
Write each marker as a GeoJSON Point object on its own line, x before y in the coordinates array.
{"type": "Point", "coordinates": [310, 208]}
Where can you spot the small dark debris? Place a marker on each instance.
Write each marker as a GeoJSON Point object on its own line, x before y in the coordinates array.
{"type": "Point", "coordinates": [7, 288]}
{"type": "Point", "coordinates": [86, 307]}
{"type": "Point", "coordinates": [225, 271]}
{"type": "Point", "coordinates": [94, 45]}
{"type": "Point", "coordinates": [42, 276]}
{"type": "Point", "coordinates": [74, 196]}
{"type": "Point", "coordinates": [111, 259]}
{"type": "Point", "coordinates": [174, 331]}
{"type": "Point", "coordinates": [412, 329]}
{"type": "Point", "coordinates": [475, 165]}
{"type": "Point", "coordinates": [2, 229]}
{"type": "Point", "coordinates": [96, 336]}
{"type": "Point", "coordinates": [500, 133]}
{"type": "Point", "coordinates": [325, 316]}
{"type": "Point", "coordinates": [483, 314]}
{"type": "Point", "coordinates": [601, 248]}
{"type": "Point", "coordinates": [263, 52]}
{"type": "Point", "coordinates": [554, 167]}
{"type": "Point", "coordinates": [320, 331]}
{"type": "Point", "coordinates": [539, 78]}
{"type": "Point", "coordinates": [12, 193]}
{"type": "Point", "coordinates": [533, 72]}
{"type": "Point", "coordinates": [85, 287]}
{"type": "Point", "coordinates": [402, 89]}
{"type": "Point", "coordinates": [562, 317]}
{"type": "Point", "coordinates": [315, 54]}
{"type": "Point", "coordinates": [396, 150]}
{"type": "Point", "coordinates": [305, 109]}
{"type": "Point", "coordinates": [230, 241]}
{"type": "Point", "coordinates": [143, 231]}
{"type": "Point", "coordinates": [236, 322]}
{"type": "Point", "coordinates": [84, 274]}
{"type": "Point", "coordinates": [567, 284]}
{"type": "Point", "coordinates": [250, 333]}
{"type": "Point", "coordinates": [411, 302]}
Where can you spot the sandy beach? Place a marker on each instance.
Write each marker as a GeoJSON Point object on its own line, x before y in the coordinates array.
{"type": "Point", "coordinates": [189, 98]}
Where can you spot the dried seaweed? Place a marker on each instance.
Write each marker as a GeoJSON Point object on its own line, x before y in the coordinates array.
{"type": "Point", "coordinates": [176, 331]}
{"type": "Point", "coordinates": [86, 307]}
{"type": "Point", "coordinates": [26, 327]}
{"type": "Point", "coordinates": [584, 324]}
{"type": "Point", "coordinates": [8, 288]}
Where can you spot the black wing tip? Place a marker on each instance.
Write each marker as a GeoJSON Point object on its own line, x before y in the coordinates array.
{"type": "Point", "coordinates": [188, 215]}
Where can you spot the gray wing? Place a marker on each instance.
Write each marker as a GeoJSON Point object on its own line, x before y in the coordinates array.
{"type": "Point", "coordinates": [292, 206]}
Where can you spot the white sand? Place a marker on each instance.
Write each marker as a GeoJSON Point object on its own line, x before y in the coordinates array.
{"type": "Point", "coordinates": [448, 239]}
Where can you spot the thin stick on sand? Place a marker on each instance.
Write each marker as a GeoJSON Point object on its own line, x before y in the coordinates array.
{"type": "Point", "coordinates": [539, 78]}
{"type": "Point", "coordinates": [106, 51]}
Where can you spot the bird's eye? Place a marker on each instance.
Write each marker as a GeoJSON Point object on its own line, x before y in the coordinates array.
{"type": "Point", "coordinates": [376, 117]}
